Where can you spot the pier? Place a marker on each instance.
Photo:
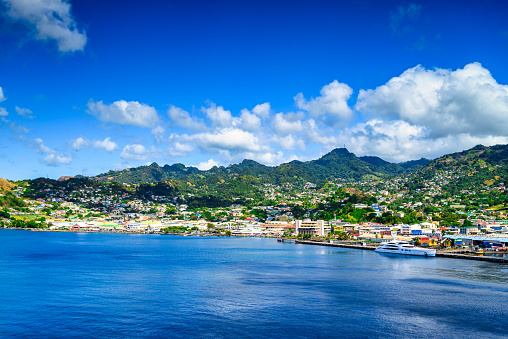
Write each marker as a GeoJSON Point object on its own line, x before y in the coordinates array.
{"type": "Point", "coordinates": [439, 253]}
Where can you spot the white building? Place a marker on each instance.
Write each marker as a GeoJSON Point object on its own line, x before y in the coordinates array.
{"type": "Point", "coordinates": [314, 228]}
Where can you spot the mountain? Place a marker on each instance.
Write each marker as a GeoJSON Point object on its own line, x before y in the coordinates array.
{"type": "Point", "coordinates": [413, 165]}
{"type": "Point", "coordinates": [6, 185]}
{"type": "Point", "coordinates": [246, 178]}
{"type": "Point", "coordinates": [387, 166]}
{"type": "Point", "coordinates": [477, 168]}
{"type": "Point", "coordinates": [339, 163]}
{"type": "Point", "coordinates": [150, 173]}
{"type": "Point", "coordinates": [475, 158]}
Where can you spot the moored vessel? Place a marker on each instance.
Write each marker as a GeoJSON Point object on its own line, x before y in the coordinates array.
{"type": "Point", "coordinates": [406, 248]}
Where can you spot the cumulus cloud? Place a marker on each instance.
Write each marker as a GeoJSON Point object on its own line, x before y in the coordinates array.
{"type": "Point", "coordinates": [137, 152]}
{"type": "Point", "coordinates": [80, 143]}
{"type": "Point", "coordinates": [219, 117]}
{"type": "Point", "coordinates": [124, 113]}
{"type": "Point", "coordinates": [287, 123]}
{"type": "Point", "coordinates": [2, 97]}
{"type": "Point", "coordinates": [206, 165]}
{"type": "Point", "coordinates": [445, 102]}
{"type": "Point", "coordinates": [315, 135]}
{"type": "Point", "coordinates": [182, 118]}
{"type": "Point", "coordinates": [24, 112]}
{"type": "Point", "coordinates": [398, 141]}
{"type": "Point", "coordinates": [262, 110]}
{"type": "Point", "coordinates": [56, 159]}
{"type": "Point", "coordinates": [52, 158]}
{"type": "Point", "coordinates": [50, 19]}
{"type": "Point", "coordinates": [180, 148]}
{"type": "Point", "coordinates": [249, 121]}
{"type": "Point", "coordinates": [158, 133]}
{"type": "Point", "coordinates": [289, 142]}
{"type": "Point", "coordinates": [231, 139]}
{"type": "Point", "coordinates": [105, 144]}
{"type": "Point", "coordinates": [332, 102]}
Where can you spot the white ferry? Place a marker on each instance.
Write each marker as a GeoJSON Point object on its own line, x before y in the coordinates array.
{"type": "Point", "coordinates": [403, 247]}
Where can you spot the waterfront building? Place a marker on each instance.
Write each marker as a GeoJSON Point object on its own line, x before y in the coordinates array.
{"type": "Point", "coordinates": [314, 228]}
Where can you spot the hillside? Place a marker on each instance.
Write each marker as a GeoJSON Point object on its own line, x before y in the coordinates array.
{"type": "Point", "coordinates": [339, 163]}
{"type": "Point", "coordinates": [414, 165]}
{"type": "Point", "coordinates": [6, 186]}
{"type": "Point", "coordinates": [478, 167]}
{"type": "Point", "coordinates": [471, 160]}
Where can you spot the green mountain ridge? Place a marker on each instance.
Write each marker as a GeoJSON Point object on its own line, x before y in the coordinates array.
{"type": "Point", "coordinates": [337, 164]}
{"type": "Point", "coordinates": [479, 167]}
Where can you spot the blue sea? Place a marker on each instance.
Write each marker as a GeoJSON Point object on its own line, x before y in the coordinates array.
{"type": "Point", "coordinates": [131, 285]}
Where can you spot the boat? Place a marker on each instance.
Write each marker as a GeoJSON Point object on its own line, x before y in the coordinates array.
{"type": "Point", "coordinates": [404, 247]}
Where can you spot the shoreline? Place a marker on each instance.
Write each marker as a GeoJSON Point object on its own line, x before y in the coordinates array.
{"type": "Point", "coordinates": [206, 234]}
{"type": "Point", "coordinates": [439, 253]}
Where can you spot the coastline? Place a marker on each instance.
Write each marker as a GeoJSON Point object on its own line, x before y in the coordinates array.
{"type": "Point", "coordinates": [439, 253]}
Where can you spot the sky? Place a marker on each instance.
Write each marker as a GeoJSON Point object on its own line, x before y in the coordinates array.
{"type": "Point", "coordinates": [89, 86]}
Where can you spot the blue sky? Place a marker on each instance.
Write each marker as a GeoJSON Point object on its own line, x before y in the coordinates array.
{"type": "Point", "coordinates": [89, 86]}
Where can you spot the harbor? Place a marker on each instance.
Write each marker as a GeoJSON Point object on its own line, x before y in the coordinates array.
{"type": "Point", "coordinates": [454, 254]}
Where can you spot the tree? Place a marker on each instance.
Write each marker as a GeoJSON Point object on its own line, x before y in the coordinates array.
{"type": "Point", "coordinates": [417, 241]}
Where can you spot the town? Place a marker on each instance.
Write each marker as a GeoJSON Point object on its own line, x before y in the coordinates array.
{"type": "Point", "coordinates": [434, 212]}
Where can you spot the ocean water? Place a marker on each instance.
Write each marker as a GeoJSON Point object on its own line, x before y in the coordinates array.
{"type": "Point", "coordinates": [120, 285]}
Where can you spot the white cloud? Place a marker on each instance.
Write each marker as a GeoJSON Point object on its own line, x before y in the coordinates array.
{"type": "Point", "coordinates": [398, 141]}
{"type": "Point", "coordinates": [206, 165]}
{"type": "Point", "coordinates": [24, 112]}
{"type": "Point", "coordinates": [219, 117]}
{"type": "Point", "coordinates": [180, 148]}
{"type": "Point", "coordinates": [182, 118]}
{"type": "Point", "coordinates": [262, 110]}
{"type": "Point", "coordinates": [465, 101]}
{"type": "Point", "coordinates": [231, 139]}
{"type": "Point", "coordinates": [52, 158]}
{"type": "Point", "coordinates": [80, 143]}
{"type": "Point", "coordinates": [137, 152]}
{"type": "Point", "coordinates": [2, 97]}
{"type": "Point", "coordinates": [333, 102]}
{"type": "Point", "coordinates": [314, 135]}
{"type": "Point", "coordinates": [289, 142]}
{"type": "Point", "coordinates": [249, 121]}
{"type": "Point", "coordinates": [284, 124]}
{"type": "Point", "coordinates": [158, 133]}
{"type": "Point", "coordinates": [51, 19]}
{"type": "Point", "coordinates": [56, 159]}
{"type": "Point", "coordinates": [105, 144]}
{"type": "Point", "coordinates": [124, 113]}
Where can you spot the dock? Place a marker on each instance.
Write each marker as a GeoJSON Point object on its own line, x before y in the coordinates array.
{"type": "Point", "coordinates": [439, 253]}
{"type": "Point", "coordinates": [345, 245]}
